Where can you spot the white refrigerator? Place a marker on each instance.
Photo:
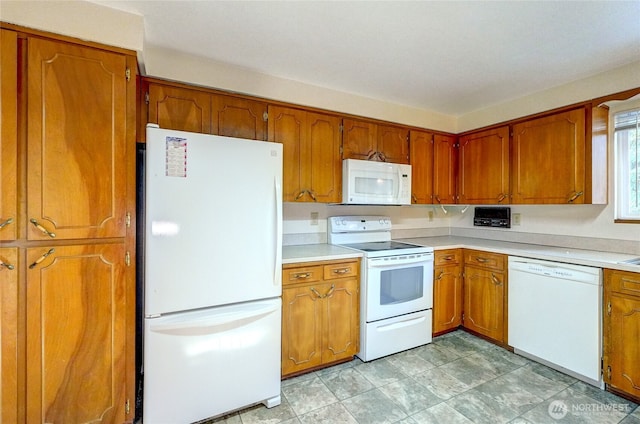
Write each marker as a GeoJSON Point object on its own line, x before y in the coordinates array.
{"type": "Point", "coordinates": [213, 280]}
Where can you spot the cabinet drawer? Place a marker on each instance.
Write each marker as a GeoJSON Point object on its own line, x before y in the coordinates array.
{"type": "Point", "coordinates": [302, 275]}
{"type": "Point", "coordinates": [623, 282]}
{"type": "Point", "coordinates": [445, 257]}
{"type": "Point", "coordinates": [348, 269]}
{"type": "Point", "coordinates": [484, 259]}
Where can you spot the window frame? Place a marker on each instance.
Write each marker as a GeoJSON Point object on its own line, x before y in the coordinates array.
{"type": "Point", "coordinates": [621, 173]}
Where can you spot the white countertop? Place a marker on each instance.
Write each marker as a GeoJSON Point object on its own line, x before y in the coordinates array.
{"type": "Point", "coordinates": [316, 252]}
{"type": "Point", "coordinates": [323, 252]}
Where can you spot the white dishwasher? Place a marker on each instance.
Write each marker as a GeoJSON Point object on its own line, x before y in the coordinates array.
{"type": "Point", "coordinates": [555, 316]}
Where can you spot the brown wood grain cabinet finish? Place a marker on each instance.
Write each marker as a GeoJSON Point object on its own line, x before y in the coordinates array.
{"type": "Point", "coordinates": [67, 289]}
{"type": "Point", "coordinates": [370, 141]}
{"type": "Point", "coordinates": [445, 164]}
{"type": "Point", "coordinates": [311, 151]}
{"type": "Point", "coordinates": [176, 108]}
{"type": "Point", "coordinates": [320, 314]}
{"type": "Point", "coordinates": [9, 135]}
{"type": "Point", "coordinates": [483, 167]}
{"type": "Point", "coordinates": [421, 154]}
{"type": "Point", "coordinates": [485, 294]}
{"type": "Point", "coordinates": [447, 290]}
{"type": "Point", "coordinates": [238, 117]}
{"type": "Point", "coordinates": [621, 368]}
{"type": "Point", "coordinates": [548, 159]}
{"type": "Point", "coordinates": [393, 144]}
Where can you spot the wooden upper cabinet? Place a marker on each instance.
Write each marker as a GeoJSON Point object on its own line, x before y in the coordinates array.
{"type": "Point", "coordinates": [548, 159]}
{"type": "Point", "coordinates": [359, 140]}
{"type": "Point", "coordinates": [9, 136]}
{"type": "Point", "coordinates": [175, 108]}
{"type": "Point", "coordinates": [445, 158]}
{"type": "Point", "coordinates": [77, 141]}
{"type": "Point", "coordinates": [368, 141]}
{"type": "Point", "coordinates": [421, 154]}
{"type": "Point", "coordinates": [237, 117]}
{"type": "Point", "coordinates": [76, 334]}
{"type": "Point", "coordinates": [9, 335]}
{"type": "Point", "coordinates": [483, 167]}
{"type": "Point", "coordinates": [311, 144]}
{"type": "Point", "coordinates": [393, 144]}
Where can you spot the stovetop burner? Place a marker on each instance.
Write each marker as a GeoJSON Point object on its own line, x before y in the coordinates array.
{"type": "Point", "coordinates": [378, 246]}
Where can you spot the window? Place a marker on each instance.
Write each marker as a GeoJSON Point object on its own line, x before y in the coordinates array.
{"type": "Point", "coordinates": [626, 132]}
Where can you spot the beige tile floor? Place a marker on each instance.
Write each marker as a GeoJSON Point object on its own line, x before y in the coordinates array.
{"type": "Point", "coordinates": [458, 378]}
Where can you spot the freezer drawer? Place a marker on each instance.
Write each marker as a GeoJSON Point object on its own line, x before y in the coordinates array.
{"type": "Point", "coordinates": [204, 363]}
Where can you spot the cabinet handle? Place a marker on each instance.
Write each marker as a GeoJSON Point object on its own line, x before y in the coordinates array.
{"type": "Point", "coordinates": [41, 228]}
{"type": "Point", "coordinates": [438, 199]}
{"type": "Point", "coordinates": [313, 195]}
{"type": "Point", "coordinates": [501, 197]}
{"type": "Point", "coordinates": [6, 265]}
{"type": "Point", "coordinates": [447, 258]}
{"type": "Point", "coordinates": [314, 291]}
{"type": "Point", "coordinates": [330, 292]}
{"type": "Point", "coordinates": [41, 258]}
{"type": "Point", "coordinates": [302, 275]}
{"type": "Point", "coordinates": [6, 222]}
{"type": "Point", "coordinates": [414, 198]}
{"type": "Point", "coordinates": [575, 196]}
{"type": "Point", "coordinates": [482, 260]}
{"type": "Point", "coordinates": [341, 271]}
{"type": "Point", "coordinates": [495, 280]}
{"type": "Point", "coordinates": [440, 275]}
{"type": "Point", "coordinates": [300, 194]}
{"type": "Point", "coordinates": [382, 157]}
{"type": "Point", "coordinates": [372, 155]}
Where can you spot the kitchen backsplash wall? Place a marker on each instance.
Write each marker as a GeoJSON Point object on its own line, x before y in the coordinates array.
{"type": "Point", "coordinates": [571, 226]}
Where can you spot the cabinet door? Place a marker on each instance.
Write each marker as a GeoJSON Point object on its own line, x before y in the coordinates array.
{"type": "Point", "coordinates": [393, 144]}
{"type": "Point", "coordinates": [175, 108]}
{"type": "Point", "coordinates": [9, 267]}
{"type": "Point", "coordinates": [483, 167]}
{"type": "Point", "coordinates": [484, 292]}
{"type": "Point", "coordinates": [9, 135]}
{"type": "Point", "coordinates": [421, 147]}
{"type": "Point", "coordinates": [447, 298]}
{"type": "Point", "coordinates": [76, 325]}
{"type": "Point", "coordinates": [301, 327]}
{"type": "Point", "coordinates": [548, 159]}
{"type": "Point", "coordinates": [77, 132]}
{"type": "Point", "coordinates": [624, 343]}
{"type": "Point", "coordinates": [322, 167]}
{"type": "Point", "coordinates": [445, 156]}
{"type": "Point", "coordinates": [236, 117]}
{"type": "Point", "coordinates": [341, 320]}
{"type": "Point", "coordinates": [359, 140]}
{"type": "Point", "coordinates": [286, 126]}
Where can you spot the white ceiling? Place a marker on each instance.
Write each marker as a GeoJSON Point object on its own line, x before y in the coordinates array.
{"type": "Point", "coordinates": [451, 57]}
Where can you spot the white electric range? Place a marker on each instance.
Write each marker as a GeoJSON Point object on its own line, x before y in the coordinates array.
{"type": "Point", "coordinates": [396, 291]}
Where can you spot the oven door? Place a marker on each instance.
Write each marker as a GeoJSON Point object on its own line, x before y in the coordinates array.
{"type": "Point", "coordinates": [397, 285]}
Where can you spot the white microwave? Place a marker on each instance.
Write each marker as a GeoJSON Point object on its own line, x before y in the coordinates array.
{"type": "Point", "coordinates": [367, 182]}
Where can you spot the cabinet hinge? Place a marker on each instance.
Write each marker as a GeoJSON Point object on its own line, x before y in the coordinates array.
{"type": "Point", "coordinates": [127, 258]}
{"type": "Point", "coordinates": [456, 145]}
{"type": "Point", "coordinates": [127, 74]}
{"type": "Point", "coordinates": [265, 116]}
{"type": "Point", "coordinates": [127, 220]}
{"type": "Point", "coordinates": [146, 97]}
{"type": "Point", "coordinates": [127, 407]}
{"type": "Point", "coordinates": [463, 317]}
{"type": "Point", "coordinates": [609, 308]}
{"type": "Point", "coordinates": [341, 128]}
{"type": "Point", "coordinates": [609, 373]}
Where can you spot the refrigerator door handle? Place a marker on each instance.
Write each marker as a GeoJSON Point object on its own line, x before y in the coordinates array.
{"type": "Point", "coordinates": [215, 323]}
{"type": "Point", "coordinates": [277, 272]}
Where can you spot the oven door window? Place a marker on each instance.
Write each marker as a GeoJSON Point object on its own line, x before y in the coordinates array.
{"type": "Point", "coordinates": [401, 285]}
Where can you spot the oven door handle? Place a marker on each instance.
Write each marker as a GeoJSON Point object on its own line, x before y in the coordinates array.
{"type": "Point", "coordinates": [386, 263]}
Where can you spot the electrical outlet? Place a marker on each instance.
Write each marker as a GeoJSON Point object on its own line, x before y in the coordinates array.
{"type": "Point", "coordinates": [515, 219]}
{"type": "Point", "coordinates": [314, 218]}
{"type": "Point", "coordinates": [430, 215]}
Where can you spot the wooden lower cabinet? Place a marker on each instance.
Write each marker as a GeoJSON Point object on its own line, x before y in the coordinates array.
{"type": "Point", "coordinates": [9, 267]}
{"type": "Point", "coordinates": [321, 314]}
{"type": "Point", "coordinates": [76, 334]}
{"type": "Point", "coordinates": [621, 361]}
{"type": "Point", "coordinates": [485, 294]}
{"type": "Point", "coordinates": [447, 290]}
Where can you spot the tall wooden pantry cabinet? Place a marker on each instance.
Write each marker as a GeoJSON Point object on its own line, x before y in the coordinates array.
{"type": "Point", "coordinates": [68, 236]}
